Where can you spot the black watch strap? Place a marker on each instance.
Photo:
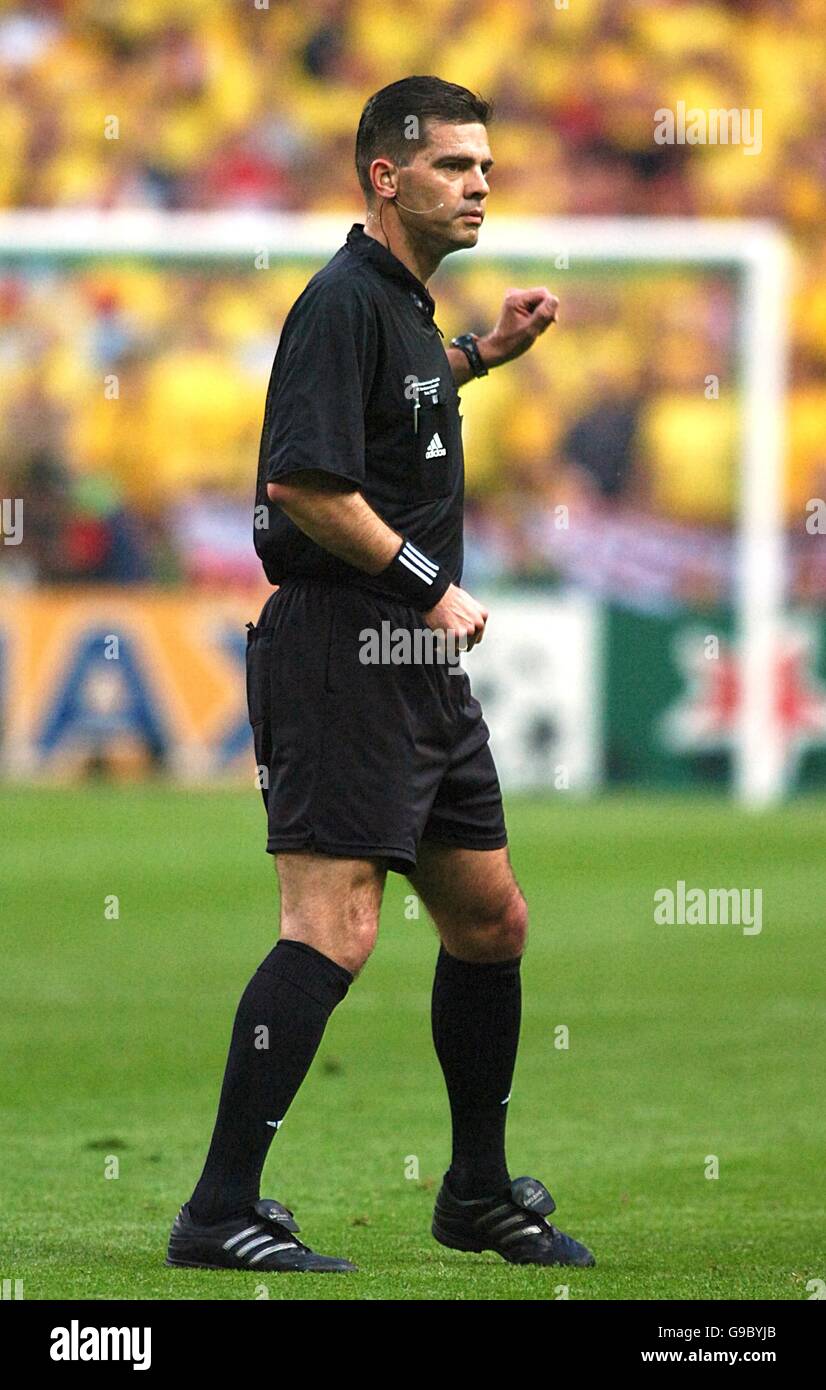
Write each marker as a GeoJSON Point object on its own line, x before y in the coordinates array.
{"type": "Point", "coordinates": [467, 342]}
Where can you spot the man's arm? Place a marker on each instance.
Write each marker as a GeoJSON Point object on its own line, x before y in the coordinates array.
{"type": "Point", "coordinates": [525, 315]}
{"type": "Point", "coordinates": [337, 518]}
{"type": "Point", "coordinates": [459, 365]}
{"type": "Point", "coordinates": [340, 520]}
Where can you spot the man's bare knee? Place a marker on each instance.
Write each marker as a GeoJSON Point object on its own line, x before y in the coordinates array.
{"type": "Point", "coordinates": [504, 935]}
{"type": "Point", "coordinates": [499, 934]}
{"type": "Point", "coordinates": [514, 925]}
{"type": "Point", "coordinates": [331, 904]}
{"type": "Point", "coordinates": [359, 928]}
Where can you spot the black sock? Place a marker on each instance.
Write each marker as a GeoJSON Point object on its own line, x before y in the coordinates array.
{"type": "Point", "coordinates": [286, 1005]}
{"type": "Point", "coordinates": [476, 1013]}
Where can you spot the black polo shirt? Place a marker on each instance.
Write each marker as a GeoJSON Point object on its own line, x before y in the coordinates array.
{"type": "Point", "coordinates": [361, 387]}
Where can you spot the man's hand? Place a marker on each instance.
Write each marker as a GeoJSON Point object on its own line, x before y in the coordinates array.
{"type": "Point", "coordinates": [524, 316]}
{"type": "Point", "coordinates": [457, 612]}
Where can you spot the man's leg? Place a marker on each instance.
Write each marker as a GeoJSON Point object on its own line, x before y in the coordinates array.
{"type": "Point", "coordinates": [481, 917]}
{"type": "Point", "coordinates": [329, 920]}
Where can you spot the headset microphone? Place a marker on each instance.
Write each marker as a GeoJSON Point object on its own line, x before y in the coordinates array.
{"type": "Point", "coordinates": [418, 210]}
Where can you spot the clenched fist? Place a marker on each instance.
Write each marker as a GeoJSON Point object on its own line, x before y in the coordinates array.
{"type": "Point", "coordinates": [460, 614]}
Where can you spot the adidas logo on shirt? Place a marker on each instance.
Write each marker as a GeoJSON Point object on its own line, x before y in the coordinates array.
{"type": "Point", "coordinates": [435, 449]}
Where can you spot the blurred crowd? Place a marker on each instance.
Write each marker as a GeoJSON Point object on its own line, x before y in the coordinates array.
{"type": "Point", "coordinates": [132, 395]}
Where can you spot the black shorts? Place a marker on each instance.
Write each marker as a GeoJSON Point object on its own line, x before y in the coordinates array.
{"type": "Point", "coordinates": [363, 760]}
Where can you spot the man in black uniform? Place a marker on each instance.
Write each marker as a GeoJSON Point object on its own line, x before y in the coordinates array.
{"type": "Point", "coordinates": [371, 766]}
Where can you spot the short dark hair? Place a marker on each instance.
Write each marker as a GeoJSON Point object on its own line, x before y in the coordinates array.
{"type": "Point", "coordinates": [385, 126]}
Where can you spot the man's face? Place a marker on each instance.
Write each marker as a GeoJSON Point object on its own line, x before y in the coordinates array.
{"type": "Point", "coordinates": [451, 169]}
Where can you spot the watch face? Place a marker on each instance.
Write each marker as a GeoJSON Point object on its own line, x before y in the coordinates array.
{"type": "Point", "coordinates": [467, 342]}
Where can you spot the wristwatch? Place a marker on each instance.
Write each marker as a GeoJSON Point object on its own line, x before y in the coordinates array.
{"type": "Point", "coordinates": [467, 342]}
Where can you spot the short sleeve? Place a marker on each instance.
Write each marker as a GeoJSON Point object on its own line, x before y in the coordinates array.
{"type": "Point", "coordinates": [321, 386]}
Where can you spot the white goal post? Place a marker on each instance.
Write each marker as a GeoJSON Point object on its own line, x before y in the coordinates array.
{"type": "Point", "coordinates": [755, 250]}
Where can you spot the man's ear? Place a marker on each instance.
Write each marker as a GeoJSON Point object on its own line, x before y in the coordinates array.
{"type": "Point", "coordinates": [387, 182]}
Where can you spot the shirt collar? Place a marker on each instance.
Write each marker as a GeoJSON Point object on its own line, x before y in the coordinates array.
{"type": "Point", "coordinates": [389, 265]}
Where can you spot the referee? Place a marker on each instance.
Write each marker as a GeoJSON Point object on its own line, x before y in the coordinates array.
{"type": "Point", "coordinates": [375, 765]}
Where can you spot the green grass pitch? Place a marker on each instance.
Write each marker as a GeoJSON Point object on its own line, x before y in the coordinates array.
{"type": "Point", "coordinates": [684, 1042]}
